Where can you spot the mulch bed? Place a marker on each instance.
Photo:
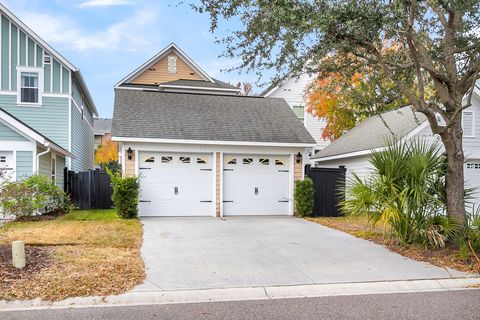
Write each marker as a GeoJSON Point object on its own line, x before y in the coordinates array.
{"type": "Point", "coordinates": [37, 259]}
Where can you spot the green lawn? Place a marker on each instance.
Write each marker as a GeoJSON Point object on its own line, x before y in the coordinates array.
{"type": "Point", "coordinates": [91, 215]}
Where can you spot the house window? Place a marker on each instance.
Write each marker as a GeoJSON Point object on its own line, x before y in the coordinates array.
{"type": "Point", "coordinates": [299, 112]}
{"type": "Point", "coordinates": [473, 165]}
{"type": "Point", "coordinates": [29, 87]}
{"type": "Point", "coordinates": [247, 160]}
{"type": "Point", "coordinates": [468, 124]}
{"type": "Point", "coordinates": [54, 169]}
{"type": "Point", "coordinates": [172, 64]}
{"type": "Point", "coordinates": [265, 162]}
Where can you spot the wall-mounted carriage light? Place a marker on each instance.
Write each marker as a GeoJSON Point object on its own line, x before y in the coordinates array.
{"type": "Point", "coordinates": [299, 157]}
{"type": "Point", "coordinates": [129, 153]}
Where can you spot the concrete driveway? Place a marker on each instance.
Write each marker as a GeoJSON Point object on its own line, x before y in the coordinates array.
{"type": "Point", "coordinates": [205, 253]}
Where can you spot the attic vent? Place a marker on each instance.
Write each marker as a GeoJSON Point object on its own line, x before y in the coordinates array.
{"type": "Point", "coordinates": [172, 64]}
{"type": "Point", "coordinates": [47, 59]}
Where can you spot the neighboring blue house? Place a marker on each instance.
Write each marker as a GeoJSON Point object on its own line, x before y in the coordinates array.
{"type": "Point", "coordinates": [46, 111]}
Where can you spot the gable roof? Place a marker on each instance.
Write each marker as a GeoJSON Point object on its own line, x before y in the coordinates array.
{"type": "Point", "coordinates": [101, 126]}
{"type": "Point", "coordinates": [171, 47]}
{"type": "Point", "coordinates": [374, 133]}
{"type": "Point", "coordinates": [75, 71]}
{"type": "Point", "coordinates": [199, 83]}
{"type": "Point", "coordinates": [163, 116]}
{"type": "Point", "coordinates": [33, 134]}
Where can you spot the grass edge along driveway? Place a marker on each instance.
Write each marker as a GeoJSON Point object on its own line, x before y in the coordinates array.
{"type": "Point", "coordinates": [84, 253]}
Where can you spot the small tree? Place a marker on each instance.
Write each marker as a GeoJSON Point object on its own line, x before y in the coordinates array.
{"type": "Point", "coordinates": [107, 153]}
{"type": "Point", "coordinates": [304, 196]}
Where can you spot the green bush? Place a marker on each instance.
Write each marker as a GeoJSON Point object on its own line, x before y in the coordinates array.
{"type": "Point", "coordinates": [406, 190]}
{"type": "Point", "coordinates": [125, 195]}
{"type": "Point", "coordinates": [36, 194]}
{"type": "Point", "coordinates": [304, 195]}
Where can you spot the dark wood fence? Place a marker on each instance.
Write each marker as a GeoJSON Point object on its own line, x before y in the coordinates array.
{"type": "Point", "coordinates": [329, 184]}
{"type": "Point", "coordinates": [89, 189]}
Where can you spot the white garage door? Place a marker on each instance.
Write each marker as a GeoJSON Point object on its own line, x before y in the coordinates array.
{"type": "Point", "coordinates": [173, 184]}
{"type": "Point", "coordinates": [255, 185]}
{"type": "Point", "coordinates": [472, 179]}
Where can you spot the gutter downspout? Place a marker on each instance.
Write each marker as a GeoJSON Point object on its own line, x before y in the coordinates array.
{"type": "Point", "coordinates": [41, 154]}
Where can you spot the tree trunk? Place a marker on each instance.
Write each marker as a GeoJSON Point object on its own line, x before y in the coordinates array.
{"type": "Point", "coordinates": [454, 179]}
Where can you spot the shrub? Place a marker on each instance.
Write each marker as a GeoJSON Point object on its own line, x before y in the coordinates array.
{"type": "Point", "coordinates": [31, 196]}
{"type": "Point", "coordinates": [406, 190]}
{"type": "Point", "coordinates": [125, 195]}
{"type": "Point", "coordinates": [304, 193]}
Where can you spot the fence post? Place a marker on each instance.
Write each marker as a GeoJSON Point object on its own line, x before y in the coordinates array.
{"type": "Point", "coordinates": [65, 180]}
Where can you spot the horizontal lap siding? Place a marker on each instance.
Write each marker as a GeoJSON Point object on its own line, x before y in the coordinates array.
{"type": "Point", "coordinates": [44, 163]}
{"type": "Point", "coordinates": [82, 142]}
{"type": "Point", "coordinates": [24, 164]}
{"type": "Point", "coordinates": [51, 119]}
{"type": "Point", "coordinates": [8, 134]}
{"type": "Point", "coordinates": [60, 165]}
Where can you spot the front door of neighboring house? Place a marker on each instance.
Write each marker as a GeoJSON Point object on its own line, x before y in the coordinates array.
{"type": "Point", "coordinates": [7, 167]}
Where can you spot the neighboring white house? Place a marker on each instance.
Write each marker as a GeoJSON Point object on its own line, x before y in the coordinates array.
{"type": "Point", "coordinates": [293, 90]}
{"type": "Point", "coordinates": [353, 149]}
{"type": "Point", "coordinates": [199, 148]}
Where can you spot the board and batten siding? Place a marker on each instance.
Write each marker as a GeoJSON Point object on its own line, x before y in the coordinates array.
{"type": "Point", "coordinates": [50, 119]}
{"type": "Point", "coordinates": [24, 164]}
{"type": "Point", "coordinates": [19, 49]}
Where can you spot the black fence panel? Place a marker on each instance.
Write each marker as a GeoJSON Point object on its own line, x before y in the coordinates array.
{"type": "Point", "coordinates": [89, 189]}
{"type": "Point", "coordinates": [329, 184]}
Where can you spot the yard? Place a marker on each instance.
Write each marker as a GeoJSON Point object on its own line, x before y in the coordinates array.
{"type": "Point", "coordinates": [83, 253]}
{"type": "Point", "coordinates": [448, 257]}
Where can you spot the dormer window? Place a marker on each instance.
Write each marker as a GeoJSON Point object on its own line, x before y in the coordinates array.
{"type": "Point", "coordinates": [172, 64]}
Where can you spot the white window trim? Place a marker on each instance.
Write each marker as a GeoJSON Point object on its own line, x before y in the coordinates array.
{"type": "Point", "coordinates": [53, 177]}
{"type": "Point", "coordinates": [473, 123]}
{"type": "Point", "coordinates": [21, 69]}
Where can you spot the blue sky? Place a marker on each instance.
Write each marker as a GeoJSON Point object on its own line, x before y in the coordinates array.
{"type": "Point", "coordinates": [107, 39]}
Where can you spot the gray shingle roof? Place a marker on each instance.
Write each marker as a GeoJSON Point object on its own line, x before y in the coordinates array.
{"type": "Point", "coordinates": [163, 115]}
{"type": "Point", "coordinates": [374, 132]}
{"type": "Point", "coordinates": [200, 83]}
{"type": "Point", "coordinates": [102, 126]}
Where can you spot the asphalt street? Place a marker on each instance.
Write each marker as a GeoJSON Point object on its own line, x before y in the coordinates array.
{"type": "Point", "coordinates": [462, 304]}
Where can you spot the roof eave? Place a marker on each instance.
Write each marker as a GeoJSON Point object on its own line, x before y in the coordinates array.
{"type": "Point", "coordinates": [83, 86]}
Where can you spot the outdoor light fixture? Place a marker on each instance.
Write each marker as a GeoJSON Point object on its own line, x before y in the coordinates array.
{"type": "Point", "coordinates": [129, 153]}
{"type": "Point", "coordinates": [299, 157]}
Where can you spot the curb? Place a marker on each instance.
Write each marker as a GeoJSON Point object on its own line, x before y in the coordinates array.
{"type": "Point", "coordinates": [242, 294]}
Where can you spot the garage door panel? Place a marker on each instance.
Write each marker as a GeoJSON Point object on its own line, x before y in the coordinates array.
{"type": "Point", "coordinates": [175, 185]}
{"type": "Point", "coordinates": [256, 185]}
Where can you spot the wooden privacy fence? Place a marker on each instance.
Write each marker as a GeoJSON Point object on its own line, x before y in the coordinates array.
{"type": "Point", "coordinates": [329, 184]}
{"type": "Point", "coordinates": [89, 189]}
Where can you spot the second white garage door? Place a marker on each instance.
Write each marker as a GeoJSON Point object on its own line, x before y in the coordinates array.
{"type": "Point", "coordinates": [255, 185]}
{"type": "Point", "coordinates": [173, 184]}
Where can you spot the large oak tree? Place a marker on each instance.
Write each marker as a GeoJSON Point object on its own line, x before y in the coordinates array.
{"type": "Point", "coordinates": [438, 43]}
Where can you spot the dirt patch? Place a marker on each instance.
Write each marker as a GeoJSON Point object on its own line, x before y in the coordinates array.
{"type": "Point", "coordinates": [41, 217]}
{"type": "Point", "coordinates": [37, 260]}
{"type": "Point", "coordinates": [447, 257]}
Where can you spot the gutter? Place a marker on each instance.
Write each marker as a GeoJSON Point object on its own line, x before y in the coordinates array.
{"type": "Point", "coordinates": [41, 154]}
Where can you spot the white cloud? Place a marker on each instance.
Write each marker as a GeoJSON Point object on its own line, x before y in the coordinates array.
{"type": "Point", "coordinates": [132, 34]}
{"type": "Point", "coordinates": [104, 3]}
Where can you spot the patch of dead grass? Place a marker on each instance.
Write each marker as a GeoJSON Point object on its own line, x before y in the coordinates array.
{"type": "Point", "coordinates": [100, 257]}
{"type": "Point", "coordinates": [359, 227]}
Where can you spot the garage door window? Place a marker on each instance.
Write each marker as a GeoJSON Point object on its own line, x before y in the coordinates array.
{"type": "Point", "coordinates": [265, 161]}
{"type": "Point", "coordinates": [473, 165]}
{"type": "Point", "coordinates": [185, 159]}
{"type": "Point", "coordinates": [247, 160]}
{"type": "Point", "coordinates": [150, 159]}
{"type": "Point", "coordinates": [232, 161]}
{"type": "Point", "coordinates": [201, 161]}
{"type": "Point", "coordinates": [167, 159]}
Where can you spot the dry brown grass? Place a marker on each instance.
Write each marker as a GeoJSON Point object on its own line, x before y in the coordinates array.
{"type": "Point", "coordinates": [359, 227]}
{"type": "Point", "coordinates": [93, 257]}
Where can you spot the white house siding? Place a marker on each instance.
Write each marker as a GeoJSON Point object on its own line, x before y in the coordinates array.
{"type": "Point", "coordinates": [359, 165]}
{"type": "Point", "coordinates": [293, 91]}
